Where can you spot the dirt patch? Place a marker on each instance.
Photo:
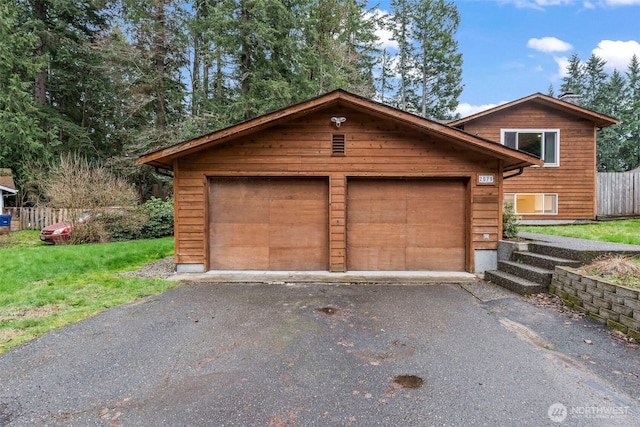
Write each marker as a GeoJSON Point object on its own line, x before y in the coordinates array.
{"type": "Point", "coordinates": [9, 314]}
{"type": "Point", "coordinates": [161, 269]}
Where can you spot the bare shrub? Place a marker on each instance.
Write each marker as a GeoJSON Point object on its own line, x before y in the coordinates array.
{"type": "Point", "coordinates": [617, 268]}
{"type": "Point", "coordinates": [79, 185]}
{"type": "Point", "coordinates": [76, 183]}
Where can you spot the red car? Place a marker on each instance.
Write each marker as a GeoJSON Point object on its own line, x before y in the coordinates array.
{"type": "Point", "coordinates": [59, 232]}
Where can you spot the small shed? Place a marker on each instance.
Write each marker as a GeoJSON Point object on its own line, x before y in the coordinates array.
{"type": "Point", "coordinates": [7, 186]}
{"type": "Point", "coordinates": [338, 183]}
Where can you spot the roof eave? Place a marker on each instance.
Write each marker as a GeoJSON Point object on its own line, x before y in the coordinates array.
{"type": "Point", "coordinates": [599, 120]}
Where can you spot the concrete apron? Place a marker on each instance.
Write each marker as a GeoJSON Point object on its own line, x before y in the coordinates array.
{"type": "Point", "coordinates": [279, 277]}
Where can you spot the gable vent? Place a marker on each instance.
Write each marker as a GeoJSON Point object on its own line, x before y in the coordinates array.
{"type": "Point", "coordinates": [337, 146]}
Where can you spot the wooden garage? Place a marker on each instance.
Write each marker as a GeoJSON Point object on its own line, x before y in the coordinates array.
{"type": "Point", "coordinates": [337, 183]}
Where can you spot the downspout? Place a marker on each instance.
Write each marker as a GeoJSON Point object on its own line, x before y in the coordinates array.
{"type": "Point", "coordinates": [520, 171]}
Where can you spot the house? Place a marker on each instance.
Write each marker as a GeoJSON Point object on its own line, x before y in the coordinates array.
{"type": "Point", "coordinates": [560, 132]}
{"type": "Point", "coordinates": [338, 183]}
{"type": "Point", "coordinates": [7, 187]}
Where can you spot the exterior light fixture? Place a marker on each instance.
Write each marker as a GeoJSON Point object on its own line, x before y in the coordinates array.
{"type": "Point", "coordinates": [338, 120]}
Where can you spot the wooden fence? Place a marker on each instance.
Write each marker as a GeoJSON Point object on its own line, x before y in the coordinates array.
{"type": "Point", "coordinates": [35, 218]}
{"type": "Point", "coordinates": [618, 194]}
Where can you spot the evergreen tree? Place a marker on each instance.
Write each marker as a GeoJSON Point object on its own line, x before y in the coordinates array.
{"type": "Point", "coordinates": [609, 157]}
{"type": "Point", "coordinates": [630, 117]}
{"type": "Point", "coordinates": [438, 62]}
{"type": "Point", "coordinates": [574, 80]}
{"type": "Point", "coordinates": [400, 25]}
{"type": "Point", "coordinates": [22, 138]}
{"type": "Point", "coordinates": [595, 77]}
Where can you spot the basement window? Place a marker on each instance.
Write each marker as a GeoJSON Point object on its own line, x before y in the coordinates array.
{"type": "Point", "coordinates": [337, 144]}
{"type": "Point", "coordinates": [533, 203]}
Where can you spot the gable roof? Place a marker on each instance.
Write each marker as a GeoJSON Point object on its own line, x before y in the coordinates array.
{"type": "Point", "coordinates": [512, 159]}
{"type": "Point", "coordinates": [600, 120]}
{"type": "Point", "coordinates": [6, 181]}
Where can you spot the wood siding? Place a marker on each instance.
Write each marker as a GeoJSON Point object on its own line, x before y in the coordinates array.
{"type": "Point", "coordinates": [303, 148]}
{"type": "Point", "coordinates": [574, 180]}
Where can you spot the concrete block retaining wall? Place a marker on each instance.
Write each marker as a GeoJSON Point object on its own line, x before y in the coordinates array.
{"type": "Point", "coordinates": [614, 305]}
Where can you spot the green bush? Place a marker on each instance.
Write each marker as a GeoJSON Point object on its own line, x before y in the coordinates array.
{"type": "Point", "coordinates": [509, 221]}
{"type": "Point", "coordinates": [123, 225]}
{"type": "Point", "coordinates": [159, 215]}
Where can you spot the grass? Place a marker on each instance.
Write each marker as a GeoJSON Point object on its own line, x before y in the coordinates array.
{"type": "Point", "coordinates": [621, 231]}
{"type": "Point", "coordinates": [619, 270]}
{"type": "Point", "coordinates": [44, 287]}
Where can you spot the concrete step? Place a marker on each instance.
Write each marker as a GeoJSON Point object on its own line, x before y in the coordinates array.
{"type": "Point", "coordinates": [514, 283]}
{"type": "Point", "coordinates": [582, 256]}
{"type": "Point", "coordinates": [547, 262]}
{"type": "Point", "coordinates": [534, 274]}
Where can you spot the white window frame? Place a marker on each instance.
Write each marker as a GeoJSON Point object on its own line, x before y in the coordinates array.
{"type": "Point", "coordinates": [513, 199]}
{"type": "Point", "coordinates": [518, 131]}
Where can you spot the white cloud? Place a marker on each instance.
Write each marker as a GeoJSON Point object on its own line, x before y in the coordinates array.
{"type": "Point", "coordinates": [588, 5]}
{"type": "Point", "coordinates": [563, 66]}
{"type": "Point", "coordinates": [615, 3]}
{"type": "Point", "coordinates": [465, 109]}
{"type": "Point", "coordinates": [537, 4]}
{"type": "Point", "coordinates": [617, 53]}
{"type": "Point", "coordinates": [549, 44]}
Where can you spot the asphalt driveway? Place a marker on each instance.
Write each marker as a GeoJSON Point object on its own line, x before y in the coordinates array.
{"type": "Point", "coordinates": [325, 355]}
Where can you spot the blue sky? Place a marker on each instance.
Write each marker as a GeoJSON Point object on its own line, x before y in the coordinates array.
{"type": "Point", "coordinates": [513, 48]}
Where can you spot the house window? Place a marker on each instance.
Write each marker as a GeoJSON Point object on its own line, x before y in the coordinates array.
{"type": "Point", "coordinates": [533, 203]}
{"type": "Point", "coordinates": [542, 143]}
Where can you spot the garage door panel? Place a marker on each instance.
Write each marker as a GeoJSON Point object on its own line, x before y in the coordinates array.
{"type": "Point", "coordinates": [289, 258]}
{"type": "Point", "coordinates": [240, 258]}
{"type": "Point", "coordinates": [268, 223]}
{"type": "Point", "coordinates": [226, 211]}
{"type": "Point", "coordinates": [447, 236]}
{"type": "Point", "coordinates": [444, 259]}
{"type": "Point", "coordinates": [376, 211]}
{"type": "Point", "coordinates": [296, 211]}
{"type": "Point", "coordinates": [428, 231]}
{"type": "Point", "coordinates": [295, 235]}
{"type": "Point", "coordinates": [296, 189]}
{"type": "Point", "coordinates": [221, 235]}
{"type": "Point", "coordinates": [392, 259]}
{"type": "Point", "coordinates": [377, 235]}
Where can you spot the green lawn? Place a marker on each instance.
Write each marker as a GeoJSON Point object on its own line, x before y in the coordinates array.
{"type": "Point", "coordinates": [621, 231]}
{"type": "Point", "coordinates": [44, 287]}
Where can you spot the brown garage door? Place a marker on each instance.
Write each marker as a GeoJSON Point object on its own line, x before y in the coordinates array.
{"type": "Point", "coordinates": [268, 224]}
{"type": "Point", "coordinates": [406, 224]}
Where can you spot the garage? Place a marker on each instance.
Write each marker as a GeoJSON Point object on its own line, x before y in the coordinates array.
{"type": "Point", "coordinates": [338, 183]}
{"type": "Point", "coordinates": [268, 223]}
{"type": "Point", "coordinates": [413, 224]}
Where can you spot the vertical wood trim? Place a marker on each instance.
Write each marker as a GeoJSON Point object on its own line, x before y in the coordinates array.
{"type": "Point", "coordinates": [176, 213]}
{"type": "Point", "coordinates": [206, 182]}
{"type": "Point", "coordinates": [500, 178]}
{"type": "Point", "coordinates": [337, 223]}
{"type": "Point", "coordinates": [468, 233]}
